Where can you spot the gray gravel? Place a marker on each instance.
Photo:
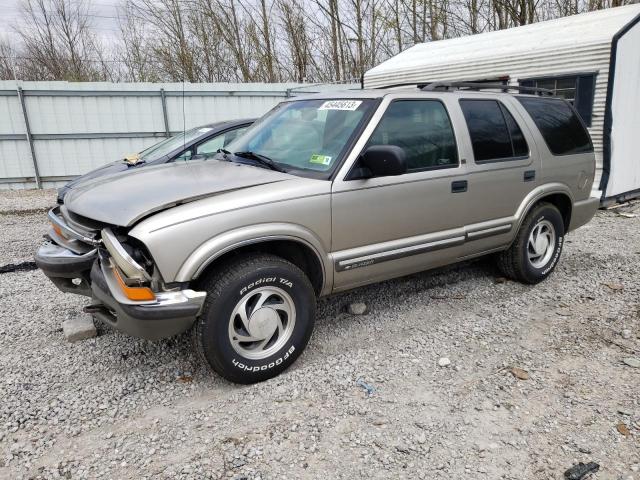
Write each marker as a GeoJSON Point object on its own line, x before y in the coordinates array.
{"type": "Point", "coordinates": [366, 400]}
{"type": "Point", "coordinates": [21, 201]}
{"type": "Point", "coordinates": [23, 221]}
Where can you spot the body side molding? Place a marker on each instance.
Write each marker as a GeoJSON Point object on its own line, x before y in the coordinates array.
{"type": "Point", "coordinates": [383, 252]}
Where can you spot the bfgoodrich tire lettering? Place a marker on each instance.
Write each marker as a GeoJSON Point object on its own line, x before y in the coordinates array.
{"type": "Point", "coordinates": [257, 318]}
{"type": "Point", "coordinates": [537, 247]}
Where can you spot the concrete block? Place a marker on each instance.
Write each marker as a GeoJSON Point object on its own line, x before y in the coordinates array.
{"type": "Point", "coordinates": [80, 328]}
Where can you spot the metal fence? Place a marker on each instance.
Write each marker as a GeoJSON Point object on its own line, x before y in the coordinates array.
{"type": "Point", "coordinates": [53, 131]}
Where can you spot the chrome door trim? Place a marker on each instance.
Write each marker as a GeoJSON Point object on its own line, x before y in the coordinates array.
{"type": "Point", "coordinates": [366, 260]}
{"type": "Point", "coordinates": [487, 232]}
{"type": "Point", "coordinates": [396, 249]}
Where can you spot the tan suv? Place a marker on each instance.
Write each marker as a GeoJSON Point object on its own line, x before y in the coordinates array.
{"type": "Point", "coordinates": [325, 193]}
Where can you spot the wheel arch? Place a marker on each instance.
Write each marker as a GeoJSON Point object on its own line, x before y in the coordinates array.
{"type": "Point", "coordinates": [300, 247]}
{"type": "Point", "coordinates": [563, 203]}
{"type": "Point", "coordinates": [558, 195]}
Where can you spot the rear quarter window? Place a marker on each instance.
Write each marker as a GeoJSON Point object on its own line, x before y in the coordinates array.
{"type": "Point", "coordinates": [559, 125]}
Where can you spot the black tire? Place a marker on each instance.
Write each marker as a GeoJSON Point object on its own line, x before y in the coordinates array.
{"type": "Point", "coordinates": [234, 281]}
{"type": "Point", "coordinates": [515, 263]}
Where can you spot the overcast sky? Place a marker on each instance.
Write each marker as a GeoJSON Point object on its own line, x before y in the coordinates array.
{"type": "Point", "coordinates": [106, 28]}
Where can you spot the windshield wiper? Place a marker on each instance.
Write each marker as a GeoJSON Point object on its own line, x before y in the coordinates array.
{"type": "Point", "coordinates": [261, 159]}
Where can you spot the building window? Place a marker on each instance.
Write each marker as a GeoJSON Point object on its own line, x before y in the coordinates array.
{"type": "Point", "coordinates": [564, 87]}
{"type": "Point", "coordinates": [577, 89]}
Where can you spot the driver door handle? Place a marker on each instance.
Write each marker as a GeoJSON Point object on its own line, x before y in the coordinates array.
{"type": "Point", "coordinates": [459, 186]}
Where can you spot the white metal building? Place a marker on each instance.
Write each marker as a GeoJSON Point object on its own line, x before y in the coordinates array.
{"type": "Point", "coordinates": [592, 59]}
{"type": "Point", "coordinates": [51, 132]}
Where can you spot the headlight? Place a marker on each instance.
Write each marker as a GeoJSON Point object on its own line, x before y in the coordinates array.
{"type": "Point", "coordinates": [121, 257]}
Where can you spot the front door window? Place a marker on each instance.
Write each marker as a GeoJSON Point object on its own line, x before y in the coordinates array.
{"type": "Point", "coordinates": [423, 129]}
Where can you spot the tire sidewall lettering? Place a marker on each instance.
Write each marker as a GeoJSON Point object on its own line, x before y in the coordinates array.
{"type": "Point", "coordinates": [277, 280]}
{"type": "Point", "coordinates": [261, 368]}
{"type": "Point", "coordinates": [556, 256]}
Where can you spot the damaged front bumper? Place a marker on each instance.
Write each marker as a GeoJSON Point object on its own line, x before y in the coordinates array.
{"type": "Point", "coordinates": [169, 314]}
{"type": "Point", "coordinates": [69, 271]}
{"type": "Point", "coordinates": [104, 271]}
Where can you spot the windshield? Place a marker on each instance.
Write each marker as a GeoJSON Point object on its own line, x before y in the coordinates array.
{"type": "Point", "coordinates": [306, 135]}
{"type": "Point", "coordinates": [167, 146]}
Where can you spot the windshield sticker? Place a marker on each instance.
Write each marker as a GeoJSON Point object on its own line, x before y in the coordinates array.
{"type": "Point", "coordinates": [340, 105]}
{"type": "Point", "coordinates": [204, 130]}
{"type": "Point", "coordinates": [321, 159]}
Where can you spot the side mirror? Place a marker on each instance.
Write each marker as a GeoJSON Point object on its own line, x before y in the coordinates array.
{"type": "Point", "coordinates": [384, 161]}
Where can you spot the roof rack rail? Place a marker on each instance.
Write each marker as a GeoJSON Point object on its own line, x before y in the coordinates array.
{"type": "Point", "coordinates": [407, 84]}
{"type": "Point", "coordinates": [448, 86]}
{"type": "Point", "coordinates": [484, 86]}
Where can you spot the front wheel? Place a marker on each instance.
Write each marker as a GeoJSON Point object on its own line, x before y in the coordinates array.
{"type": "Point", "coordinates": [257, 318]}
{"type": "Point", "coordinates": [535, 252]}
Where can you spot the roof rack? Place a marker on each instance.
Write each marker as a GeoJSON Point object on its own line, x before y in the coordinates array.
{"type": "Point", "coordinates": [409, 84]}
{"type": "Point", "coordinates": [477, 86]}
{"type": "Point", "coordinates": [483, 86]}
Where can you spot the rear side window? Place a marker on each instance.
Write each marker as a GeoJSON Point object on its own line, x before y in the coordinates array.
{"type": "Point", "coordinates": [495, 135]}
{"type": "Point", "coordinates": [559, 125]}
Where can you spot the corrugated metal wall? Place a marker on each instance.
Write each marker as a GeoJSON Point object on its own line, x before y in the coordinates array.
{"type": "Point", "coordinates": [592, 57]}
{"type": "Point", "coordinates": [77, 127]}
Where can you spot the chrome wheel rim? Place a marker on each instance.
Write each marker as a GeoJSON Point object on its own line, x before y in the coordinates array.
{"type": "Point", "coordinates": [541, 244]}
{"type": "Point", "coordinates": [262, 322]}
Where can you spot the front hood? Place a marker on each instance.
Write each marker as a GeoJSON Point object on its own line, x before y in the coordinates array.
{"type": "Point", "coordinates": [124, 198]}
{"type": "Point", "coordinates": [109, 168]}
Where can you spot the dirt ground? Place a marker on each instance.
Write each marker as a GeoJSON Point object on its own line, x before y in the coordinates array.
{"type": "Point", "coordinates": [367, 399]}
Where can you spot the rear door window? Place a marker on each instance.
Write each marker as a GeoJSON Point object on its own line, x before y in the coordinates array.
{"type": "Point", "coordinates": [495, 134]}
{"type": "Point", "coordinates": [559, 125]}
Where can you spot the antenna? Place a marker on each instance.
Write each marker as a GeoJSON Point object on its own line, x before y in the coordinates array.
{"type": "Point", "coordinates": [13, 67]}
{"type": "Point", "coordinates": [184, 120]}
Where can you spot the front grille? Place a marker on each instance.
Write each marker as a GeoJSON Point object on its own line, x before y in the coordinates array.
{"type": "Point", "coordinates": [85, 226]}
{"type": "Point", "coordinates": [69, 234]}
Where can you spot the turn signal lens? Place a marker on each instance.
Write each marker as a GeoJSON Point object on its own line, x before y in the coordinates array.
{"type": "Point", "coordinates": [134, 293]}
{"type": "Point", "coordinates": [58, 230]}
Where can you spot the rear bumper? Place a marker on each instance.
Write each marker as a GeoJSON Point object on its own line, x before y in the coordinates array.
{"type": "Point", "coordinates": [583, 211]}
{"type": "Point", "coordinates": [92, 274]}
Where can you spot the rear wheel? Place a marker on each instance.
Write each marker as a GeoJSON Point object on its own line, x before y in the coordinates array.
{"type": "Point", "coordinates": [257, 318]}
{"type": "Point", "coordinates": [536, 249]}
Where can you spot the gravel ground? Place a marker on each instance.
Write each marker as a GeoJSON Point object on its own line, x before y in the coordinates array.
{"type": "Point", "coordinates": [26, 200]}
{"type": "Point", "coordinates": [368, 398]}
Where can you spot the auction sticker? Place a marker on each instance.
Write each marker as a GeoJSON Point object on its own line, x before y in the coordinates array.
{"type": "Point", "coordinates": [321, 159]}
{"type": "Point", "coordinates": [340, 105]}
